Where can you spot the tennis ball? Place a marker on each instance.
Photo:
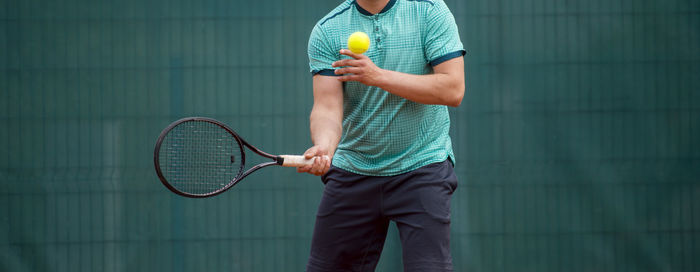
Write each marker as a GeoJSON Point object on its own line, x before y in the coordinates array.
{"type": "Point", "coordinates": [358, 42]}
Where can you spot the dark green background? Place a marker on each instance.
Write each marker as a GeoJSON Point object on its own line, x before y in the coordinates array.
{"type": "Point", "coordinates": [578, 141]}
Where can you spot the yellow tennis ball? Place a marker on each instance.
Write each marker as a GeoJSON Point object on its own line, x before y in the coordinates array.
{"type": "Point", "coordinates": [358, 42]}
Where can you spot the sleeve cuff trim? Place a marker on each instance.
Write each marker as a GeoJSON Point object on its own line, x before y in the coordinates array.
{"type": "Point", "coordinates": [324, 72]}
{"type": "Point", "coordinates": [447, 57]}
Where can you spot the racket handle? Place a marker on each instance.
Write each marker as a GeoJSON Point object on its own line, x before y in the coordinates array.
{"type": "Point", "coordinates": [296, 161]}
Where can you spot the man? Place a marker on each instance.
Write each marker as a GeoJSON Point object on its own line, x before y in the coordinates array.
{"type": "Point", "coordinates": [381, 118]}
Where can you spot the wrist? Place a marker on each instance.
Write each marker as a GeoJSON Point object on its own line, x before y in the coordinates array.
{"type": "Point", "coordinates": [324, 146]}
{"type": "Point", "coordinates": [383, 78]}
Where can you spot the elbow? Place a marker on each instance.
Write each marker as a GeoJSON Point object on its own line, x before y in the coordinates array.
{"type": "Point", "coordinates": [456, 96]}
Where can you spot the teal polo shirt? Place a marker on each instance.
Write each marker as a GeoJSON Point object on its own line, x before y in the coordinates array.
{"type": "Point", "coordinates": [384, 134]}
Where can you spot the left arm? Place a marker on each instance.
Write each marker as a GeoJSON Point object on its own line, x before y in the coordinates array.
{"type": "Point", "coordinates": [443, 87]}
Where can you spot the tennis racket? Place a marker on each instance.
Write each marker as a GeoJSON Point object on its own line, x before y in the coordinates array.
{"type": "Point", "coordinates": [202, 157]}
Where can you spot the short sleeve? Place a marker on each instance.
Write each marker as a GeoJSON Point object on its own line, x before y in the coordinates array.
{"type": "Point", "coordinates": [321, 56]}
{"type": "Point", "coordinates": [442, 41]}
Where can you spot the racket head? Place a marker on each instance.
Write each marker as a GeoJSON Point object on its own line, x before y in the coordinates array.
{"type": "Point", "coordinates": [198, 157]}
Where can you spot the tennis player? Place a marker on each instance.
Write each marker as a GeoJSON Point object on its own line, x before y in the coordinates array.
{"type": "Point", "coordinates": [381, 118]}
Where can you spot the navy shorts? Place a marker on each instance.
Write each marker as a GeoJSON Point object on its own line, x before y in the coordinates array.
{"type": "Point", "coordinates": [355, 211]}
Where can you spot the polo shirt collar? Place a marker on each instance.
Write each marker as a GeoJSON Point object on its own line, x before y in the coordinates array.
{"type": "Point", "coordinates": [365, 12]}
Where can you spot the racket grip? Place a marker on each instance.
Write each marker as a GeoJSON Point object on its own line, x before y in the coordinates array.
{"type": "Point", "coordinates": [296, 161]}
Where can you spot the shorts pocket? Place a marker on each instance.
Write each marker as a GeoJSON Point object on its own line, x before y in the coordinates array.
{"type": "Point", "coordinates": [440, 185]}
{"type": "Point", "coordinates": [327, 205]}
{"type": "Point", "coordinates": [330, 192]}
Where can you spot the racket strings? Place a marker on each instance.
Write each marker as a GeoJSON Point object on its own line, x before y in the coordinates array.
{"type": "Point", "coordinates": [199, 157]}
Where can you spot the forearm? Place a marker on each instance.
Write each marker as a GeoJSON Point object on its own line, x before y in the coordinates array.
{"type": "Point", "coordinates": [438, 88]}
{"type": "Point", "coordinates": [327, 114]}
{"type": "Point", "coordinates": [325, 124]}
{"type": "Point", "coordinates": [326, 130]}
{"type": "Point", "coordinates": [445, 86]}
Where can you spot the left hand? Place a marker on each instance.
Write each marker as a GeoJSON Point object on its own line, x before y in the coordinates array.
{"type": "Point", "coordinates": [360, 68]}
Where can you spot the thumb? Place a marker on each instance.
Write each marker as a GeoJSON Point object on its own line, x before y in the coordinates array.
{"type": "Point", "coordinates": [349, 53]}
{"type": "Point", "coordinates": [311, 152]}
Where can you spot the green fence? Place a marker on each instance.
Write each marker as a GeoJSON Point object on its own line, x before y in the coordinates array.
{"type": "Point", "coordinates": [578, 141]}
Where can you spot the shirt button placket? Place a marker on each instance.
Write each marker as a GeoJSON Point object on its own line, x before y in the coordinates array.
{"type": "Point", "coordinates": [377, 33]}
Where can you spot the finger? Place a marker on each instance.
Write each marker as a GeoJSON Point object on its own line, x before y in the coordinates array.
{"type": "Point", "coordinates": [319, 172]}
{"type": "Point", "coordinates": [323, 163]}
{"type": "Point", "coordinates": [311, 152]}
{"type": "Point", "coordinates": [317, 167]}
{"type": "Point", "coordinates": [320, 163]}
{"type": "Point", "coordinates": [351, 54]}
{"type": "Point", "coordinates": [327, 164]}
{"type": "Point", "coordinates": [350, 70]}
{"type": "Point", "coordinates": [346, 62]}
{"type": "Point", "coordinates": [304, 169]}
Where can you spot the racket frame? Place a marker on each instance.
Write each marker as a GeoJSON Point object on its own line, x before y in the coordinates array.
{"type": "Point", "coordinates": [277, 160]}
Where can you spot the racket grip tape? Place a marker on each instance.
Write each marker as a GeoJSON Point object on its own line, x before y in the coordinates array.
{"type": "Point", "coordinates": [295, 161]}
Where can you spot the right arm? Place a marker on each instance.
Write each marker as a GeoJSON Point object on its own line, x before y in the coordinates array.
{"type": "Point", "coordinates": [325, 123]}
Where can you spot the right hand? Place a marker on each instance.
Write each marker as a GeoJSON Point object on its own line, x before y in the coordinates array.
{"type": "Point", "coordinates": [322, 161]}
